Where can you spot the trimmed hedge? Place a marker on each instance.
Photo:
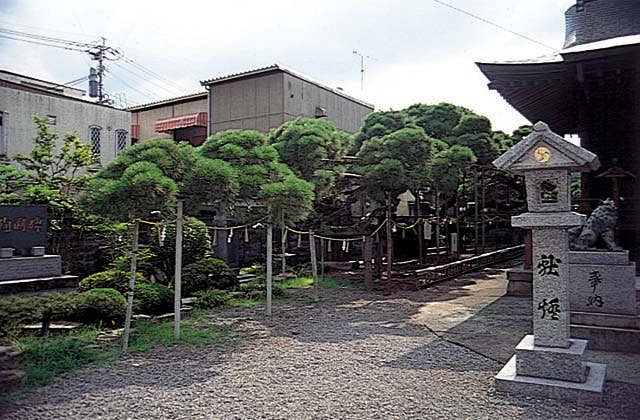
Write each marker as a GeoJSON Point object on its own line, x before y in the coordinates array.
{"type": "Point", "coordinates": [109, 279]}
{"type": "Point", "coordinates": [16, 311]}
{"type": "Point", "coordinates": [207, 273]}
{"type": "Point", "coordinates": [152, 299]}
{"type": "Point", "coordinates": [101, 306]}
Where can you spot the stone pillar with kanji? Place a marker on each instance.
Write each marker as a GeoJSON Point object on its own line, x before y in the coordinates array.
{"type": "Point", "coordinates": [548, 362]}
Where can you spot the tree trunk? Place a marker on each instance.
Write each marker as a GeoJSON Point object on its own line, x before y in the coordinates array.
{"type": "Point", "coordinates": [476, 205]}
{"type": "Point", "coordinates": [283, 240]}
{"type": "Point", "coordinates": [378, 258]}
{"type": "Point", "coordinates": [367, 251]}
{"type": "Point", "coordinates": [457, 251]}
{"type": "Point", "coordinates": [420, 229]}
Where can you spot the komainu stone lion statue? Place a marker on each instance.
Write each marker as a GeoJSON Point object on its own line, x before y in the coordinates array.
{"type": "Point", "coordinates": [599, 225]}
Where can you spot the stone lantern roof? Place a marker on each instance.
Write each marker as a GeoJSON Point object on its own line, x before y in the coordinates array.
{"type": "Point", "coordinates": [543, 150]}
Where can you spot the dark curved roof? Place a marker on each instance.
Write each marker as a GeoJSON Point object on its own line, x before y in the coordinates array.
{"type": "Point", "coordinates": [547, 88]}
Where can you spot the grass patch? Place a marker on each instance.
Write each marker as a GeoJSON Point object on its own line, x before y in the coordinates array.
{"type": "Point", "coordinates": [193, 331]}
{"type": "Point", "coordinates": [331, 283]}
{"type": "Point", "coordinates": [297, 282]}
{"type": "Point", "coordinates": [44, 358]}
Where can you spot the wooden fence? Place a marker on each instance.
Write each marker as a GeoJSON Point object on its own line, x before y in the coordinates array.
{"type": "Point", "coordinates": [427, 276]}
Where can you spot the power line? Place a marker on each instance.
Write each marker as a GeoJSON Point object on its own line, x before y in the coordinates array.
{"type": "Point", "coordinates": [154, 74]}
{"type": "Point", "coordinates": [46, 38]}
{"type": "Point", "coordinates": [146, 79]}
{"type": "Point", "coordinates": [148, 95]}
{"type": "Point", "coordinates": [43, 43]}
{"type": "Point", "coordinates": [48, 30]}
{"type": "Point", "coordinates": [480, 18]}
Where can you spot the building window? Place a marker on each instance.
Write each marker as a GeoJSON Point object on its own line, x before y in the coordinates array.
{"type": "Point", "coordinates": [95, 138]}
{"type": "Point", "coordinates": [3, 134]}
{"type": "Point", "coordinates": [121, 140]}
{"type": "Point", "coordinates": [51, 119]}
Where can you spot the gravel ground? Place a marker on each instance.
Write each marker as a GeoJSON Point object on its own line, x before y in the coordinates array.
{"type": "Point", "coordinates": [354, 355]}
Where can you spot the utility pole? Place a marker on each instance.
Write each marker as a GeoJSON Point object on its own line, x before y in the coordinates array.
{"type": "Point", "coordinates": [101, 52]}
{"type": "Point", "coordinates": [101, 70]}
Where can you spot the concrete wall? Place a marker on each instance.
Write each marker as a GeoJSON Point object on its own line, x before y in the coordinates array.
{"type": "Point", "coordinates": [253, 103]}
{"type": "Point", "coordinates": [19, 107]}
{"type": "Point", "coordinates": [146, 118]}
{"type": "Point", "coordinates": [302, 97]}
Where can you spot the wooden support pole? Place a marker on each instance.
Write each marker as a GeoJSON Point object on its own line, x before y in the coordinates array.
{"type": "Point", "coordinates": [367, 251]}
{"type": "Point", "coordinates": [269, 265]}
{"type": "Point", "coordinates": [389, 238]}
{"type": "Point", "coordinates": [314, 266]}
{"type": "Point", "coordinates": [132, 286]}
{"type": "Point", "coordinates": [177, 284]}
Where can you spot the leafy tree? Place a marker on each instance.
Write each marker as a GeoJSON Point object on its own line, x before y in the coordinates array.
{"type": "Point", "coordinates": [448, 167]}
{"type": "Point", "coordinates": [303, 143]}
{"type": "Point", "coordinates": [289, 200]}
{"type": "Point", "coordinates": [58, 170]}
{"type": "Point", "coordinates": [142, 188]}
{"type": "Point", "coordinates": [249, 153]}
{"type": "Point", "coordinates": [50, 175]}
{"type": "Point", "coordinates": [174, 168]}
{"type": "Point", "coordinates": [521, 132]}
{"type": "Point", "coordinates": [378, 124]}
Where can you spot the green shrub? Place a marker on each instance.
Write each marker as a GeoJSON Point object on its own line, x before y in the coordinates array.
{"type": "Point", "coordinates": [16, 311]}
{"type": "Point", "coordinates": [144, 262]}
{"type": "Point", "coordinates": [110, 279]}
{"type": "Point", "coordinates": [207, 273]}
{"type": "Point", "coordinates": [101, 306]}
{"type": "Point", "coordinates": [212, 298]}
{"type": "Point", "coordinates": [152, 299]}
{"type": "Point", "coordinates": [256, 290]}
{"type": "Point", "coordinates": [196, 241]}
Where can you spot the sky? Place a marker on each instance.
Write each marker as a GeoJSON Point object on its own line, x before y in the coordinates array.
{"type": "Point", "coordinates": [415, 50]}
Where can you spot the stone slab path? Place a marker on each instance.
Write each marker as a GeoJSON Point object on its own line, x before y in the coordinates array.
{"type": "Point", "coordinates": [415, 354]}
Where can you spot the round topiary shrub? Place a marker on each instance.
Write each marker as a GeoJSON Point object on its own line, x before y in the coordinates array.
{"type": "Point", "coordinates": [110, 279]}
{"type": "Point", "coordinates": [152, 299]}
{"type": "Point", "coordinates": [101, 306]}
{"type": "Point", "coordinates": [212, 298]}
{"type": "Point", "coordinates": [207, 273]}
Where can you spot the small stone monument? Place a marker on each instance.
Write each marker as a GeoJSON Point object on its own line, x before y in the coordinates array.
{"type": "Point", "coordinates": [603, 292]}
{"type": "Point", "coordinates": [24, 266]}
{"type": "Point", "coordinates": [549, 363]}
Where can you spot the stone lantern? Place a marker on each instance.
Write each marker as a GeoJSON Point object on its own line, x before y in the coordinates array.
{"type": "Point", "coordinates": [549, 362]}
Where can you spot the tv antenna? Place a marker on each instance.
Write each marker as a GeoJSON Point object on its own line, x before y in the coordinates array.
{"type": "Point", "coordinates": [362, 57]}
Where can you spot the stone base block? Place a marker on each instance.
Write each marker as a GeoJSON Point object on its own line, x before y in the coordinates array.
{"type": "Point", "coordinates": [38, 285]}
{"type": "Point", "coordinates": [30, 267]}
{"type": "Point", "coordinates": [605, 320]}
{"type": "Point", "coordinates": [599, 257]}
{"type": "Point", "coordinates": [564, 364]}
{"type": "Point", "coordinates": [37, 251]}
{"type": "Point", "coordinates": [589, 392]}
{"type": "Point", "coordinates": [608, 338]}
{"type": "Point", "coordinates": [520, 281]}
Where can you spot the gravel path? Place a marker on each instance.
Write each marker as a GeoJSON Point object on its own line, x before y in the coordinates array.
{"type": "Point", "coordinates": [354, 355]}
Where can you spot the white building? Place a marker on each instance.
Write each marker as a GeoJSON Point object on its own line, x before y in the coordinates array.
{"type": "Point", "coordinates": [21, 97]}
